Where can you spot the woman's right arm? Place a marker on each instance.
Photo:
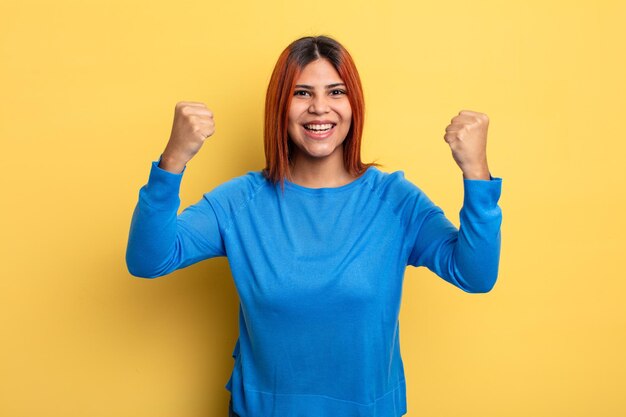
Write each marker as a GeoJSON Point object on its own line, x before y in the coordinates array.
{"type": "Point", "coordinates": [160, 241]}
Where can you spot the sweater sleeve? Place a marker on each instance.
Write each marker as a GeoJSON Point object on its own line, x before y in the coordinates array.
{"type": "Point", "coordinates": [467, 257]}
{"type": "Point", "coordinates": [160, 241]}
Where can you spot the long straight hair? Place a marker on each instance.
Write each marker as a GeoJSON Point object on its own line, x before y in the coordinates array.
{"type": "Point", "coordinates": [278, 145]}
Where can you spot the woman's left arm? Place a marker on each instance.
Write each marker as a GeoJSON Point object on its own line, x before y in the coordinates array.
{"type": "Point", "coordinates": [467, 257]}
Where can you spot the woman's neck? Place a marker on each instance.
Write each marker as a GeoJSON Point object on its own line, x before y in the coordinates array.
{"type": "Point", "coordinates": [314, 172]}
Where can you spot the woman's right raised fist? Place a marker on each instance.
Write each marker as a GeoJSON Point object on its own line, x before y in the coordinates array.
{"type": "Point", "coordinates": [193, 124]}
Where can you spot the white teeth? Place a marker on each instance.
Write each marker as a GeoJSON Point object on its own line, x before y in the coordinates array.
{"type": "Point", "coordinates": [318, 127]}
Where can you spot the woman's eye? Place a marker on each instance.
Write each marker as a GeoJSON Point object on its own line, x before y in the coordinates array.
{"type": "Point", "coordinates": [307, 93]}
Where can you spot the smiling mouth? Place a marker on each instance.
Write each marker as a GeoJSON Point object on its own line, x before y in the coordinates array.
{"type": "Point", "coordinates": [319, 128]}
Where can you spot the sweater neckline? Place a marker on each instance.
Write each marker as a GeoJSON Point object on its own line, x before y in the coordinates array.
{"type": "Point", "coordinates": [330, 190]}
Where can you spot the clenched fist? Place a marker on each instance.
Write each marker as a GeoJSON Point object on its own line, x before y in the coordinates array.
{"type": "Point", "coordinates": [467, 137]}
{"type": "Point", "coordinates": [193, 124]}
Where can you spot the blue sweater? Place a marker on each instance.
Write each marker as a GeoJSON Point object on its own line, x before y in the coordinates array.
{"type": "Point", "coordinates": [319, 275]}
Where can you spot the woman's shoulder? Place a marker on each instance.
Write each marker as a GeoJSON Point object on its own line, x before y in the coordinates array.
{"type": "Point", "coordinates": [393, 184]}
{"type": "Point", "coordinates": [239, 189]}
{"type": "Point", "coordinates": [401, 195]}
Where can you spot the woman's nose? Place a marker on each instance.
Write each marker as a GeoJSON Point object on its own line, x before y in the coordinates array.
{"type": "Point", "coordinates": [319, 104]}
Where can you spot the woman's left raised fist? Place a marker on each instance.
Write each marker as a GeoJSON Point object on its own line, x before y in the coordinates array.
{"type": "Point", "coordinates": [467, 136]}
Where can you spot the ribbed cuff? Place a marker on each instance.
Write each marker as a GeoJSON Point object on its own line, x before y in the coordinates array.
{"type": "Point", "coordinates": [481, 196]}
{"type": "Point", "coordinates": [163, 187]}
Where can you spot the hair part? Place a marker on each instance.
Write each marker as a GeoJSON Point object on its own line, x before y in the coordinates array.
{"type": "Point", "coordinates": [291, 62]}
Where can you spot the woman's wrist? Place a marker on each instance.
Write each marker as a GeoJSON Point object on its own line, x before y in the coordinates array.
{"type": "Point", "coordinates": [481, 173]}
{"type": "Point", "coordinates": [172, 164]}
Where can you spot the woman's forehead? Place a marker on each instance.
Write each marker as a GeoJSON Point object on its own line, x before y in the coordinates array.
{"type": "Point", "coordinates": [318, 73]}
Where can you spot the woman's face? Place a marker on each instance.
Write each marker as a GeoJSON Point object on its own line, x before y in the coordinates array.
{"type": "Point", "coordinates": [320, 114]}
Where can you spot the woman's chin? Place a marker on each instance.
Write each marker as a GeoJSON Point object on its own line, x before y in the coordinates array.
{"type": "Point", "coordinates": [318, 154]}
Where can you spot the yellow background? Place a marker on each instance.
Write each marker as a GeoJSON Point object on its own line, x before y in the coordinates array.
{"type": "Point", "coordinates": [87, 98]}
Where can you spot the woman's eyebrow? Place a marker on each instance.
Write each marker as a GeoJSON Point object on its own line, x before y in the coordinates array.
{"type": "Point", "coordinates": [308, 87]}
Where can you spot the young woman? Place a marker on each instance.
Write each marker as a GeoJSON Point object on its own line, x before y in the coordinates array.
{"type": "Point", "coordinates": [317, 241]}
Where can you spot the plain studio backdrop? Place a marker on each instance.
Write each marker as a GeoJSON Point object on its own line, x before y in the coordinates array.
{"type": "Point", "coordinates": [87, 101]}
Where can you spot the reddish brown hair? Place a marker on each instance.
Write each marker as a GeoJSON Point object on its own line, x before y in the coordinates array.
{"type": "Point", "coordinates": [278, 145]}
